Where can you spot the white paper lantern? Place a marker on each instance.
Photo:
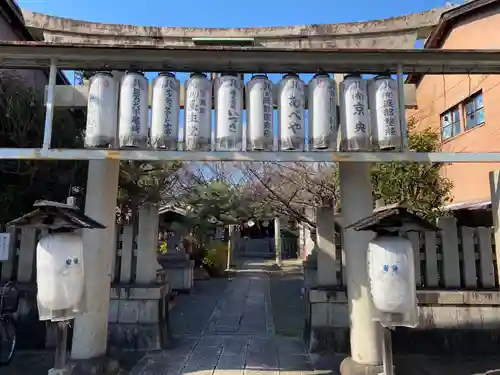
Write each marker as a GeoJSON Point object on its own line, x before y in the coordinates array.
{"type": "Point", "coordinates": [291, 113]}
{"type": "Point", "coordinates": [60, 284]}
{"type": "Point", "coordinates": [165, 111]}
{"type": "Point", "coordinates": [384, 109]}
{"type": "Point", "coordinates": [133, 124]}
{"type": "Point", "coordinates": [322, 104]}
{"type": "Point", "coordinates": [354, 115]}
{"type": "Point", "coordinates": [198, 113]}
{"type": "Point", "coordinates": [229, 113]}
{"type": "Point", "coordinates": [391, 270]}
{"type": "Point", "coordinates": [102, 111]}
{"type": "Point", "coordinates": [260, 114]}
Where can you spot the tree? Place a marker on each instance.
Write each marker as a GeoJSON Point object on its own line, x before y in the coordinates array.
{"type": "Point", "coordinates": [145, 182]}
{"type": "Point", "coordinates": [292, 187]}
{"type": "Point", "coordinates": [289, 189]}
{"type": "Point", "coordinates": [219, 191]}
{"type": "Point", "coordinates": [22, 182]}
{"type": "Point", "coordinates": [421, 186]}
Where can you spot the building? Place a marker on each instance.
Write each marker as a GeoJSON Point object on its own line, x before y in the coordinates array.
{"type": "Point", "coordinates": [464, 108]}
{"type": "Point", "coordinates": [13, 28]}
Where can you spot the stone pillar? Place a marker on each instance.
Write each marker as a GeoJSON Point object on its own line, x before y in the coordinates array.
{"type": "Point", "coordinates": [310, 249]}
{"type": "Point", "coordinates": [309, 244]}
{"type": "Point", "coordinates": [90, 329]}
{"type": "Point", "coordinates": [147, 243]}
{"type": "Point", "coordinates": [328, 265]}
{"type": "Point", "coordinates": [365, 335]}
{"type": "Point", "coordinates": [277, 240]}
{"type": "Point", "coordinates": [90, 333]}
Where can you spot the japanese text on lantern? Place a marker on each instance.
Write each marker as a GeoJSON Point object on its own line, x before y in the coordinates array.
{"type": "Point", "coordinates": [295, 101]}
{"type": "Point", "coordinates": [170, 90]}
{"type": "Point", "coordinates": [332, 106]}
{"type": "Point", "coordinates": [197, 106]}
{"type": "Point", "coordinates": [268, 109]}
{"type": "Point", "coordinates": [92, 113]}
{"type": "Point", "coordinates": [233, 112]}
{"type": "Point", "coordinates": [388, 109]}
{"type": "Point", "coordinates": [358, 96]}
{"type": "Point", "coordinates": [136, 106]}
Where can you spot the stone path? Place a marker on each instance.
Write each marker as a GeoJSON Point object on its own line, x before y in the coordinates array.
{"type": "Point", "coordinates": [237, 338]}
{"type": "Point", "coordinates": [227, 326]}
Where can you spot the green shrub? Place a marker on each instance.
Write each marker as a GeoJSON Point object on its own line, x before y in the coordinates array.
{"type": "Point", "coordinates": [163, 248]}
{"type": "Point", "coordinates": [216, 258]}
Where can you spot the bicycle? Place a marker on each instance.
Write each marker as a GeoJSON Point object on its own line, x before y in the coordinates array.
{"type": "Point", "coordinates": [9, 300]}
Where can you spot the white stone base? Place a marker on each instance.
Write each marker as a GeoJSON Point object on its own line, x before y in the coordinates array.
{"type": "Point", "coordinates": [138, 318]}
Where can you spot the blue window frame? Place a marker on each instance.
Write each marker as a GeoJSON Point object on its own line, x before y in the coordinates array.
{"type": "Point", "coordinates": [474, 111]}
{"type": "Point", "coordinates": [450, 123]}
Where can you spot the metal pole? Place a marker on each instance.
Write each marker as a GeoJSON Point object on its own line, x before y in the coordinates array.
{"type": "Point", "coordinates": [388, 363]}
{"type": "Point", "coordinates": [61, 348]}
{"type": "Point", "coordinates": [401, 108]}
{"type": "Point", "coordinates": [49, 113]}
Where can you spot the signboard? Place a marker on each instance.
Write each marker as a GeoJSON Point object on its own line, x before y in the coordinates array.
{"type": "Point", "coordinates": [4, 246]}
{"type": "Point", "coordinates": [219, 234]}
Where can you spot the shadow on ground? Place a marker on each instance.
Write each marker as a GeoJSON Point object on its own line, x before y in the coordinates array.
{"type": "Point", "coordinates": [287, 301]}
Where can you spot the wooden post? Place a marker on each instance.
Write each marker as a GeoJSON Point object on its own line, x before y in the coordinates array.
{"type": "Point", "coordinates": [495, 211]}
{"type": "Point", "coordinates": [147, 243]}
{"type": "Point", "coordinates": [277, 240]}
{"type": "Point", "coordinates": [126, 253]}
{"type": "Point", "coordinates": [387, 361]}
{"type": "Point", "coordinates": [451, 261]}
{"type": "Point", "coordinates": [328, 264]}
{"type": "Point", "coordinates": [61, 355]}
{"type": "Point", "coordinates": [230, 246]}
{"type": "Point", "coordinates": [27, 253]}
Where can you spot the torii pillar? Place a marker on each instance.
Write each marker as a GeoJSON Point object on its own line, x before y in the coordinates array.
{"type": "Point", "coordinates": [90, 334]}
{"type": "Point", "coordinates": [365, 334]}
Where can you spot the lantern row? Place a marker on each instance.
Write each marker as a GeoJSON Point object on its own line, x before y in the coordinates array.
{"type": "Point", "coordinates": [368, 117]}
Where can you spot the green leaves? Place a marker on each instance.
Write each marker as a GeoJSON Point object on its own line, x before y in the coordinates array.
{"type": "Point", "coordinates": [22, 115]}
{"type": "Point", "coordinates": [420, 185]}
{"type": "Point", "coordinates": [223, 202]}
{"type": "Point", "coordinates": [146, 182]}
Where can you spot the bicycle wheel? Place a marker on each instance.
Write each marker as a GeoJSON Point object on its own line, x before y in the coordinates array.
{"type": "Point", "coordinates": [7, 339]}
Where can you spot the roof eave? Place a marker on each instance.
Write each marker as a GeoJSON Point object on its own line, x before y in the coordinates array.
{"type": "Point", "coordinates": [446, 23]}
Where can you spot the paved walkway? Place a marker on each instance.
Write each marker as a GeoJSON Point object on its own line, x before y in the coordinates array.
{"type": "Point", "coordinates": [249, 325]}
{"type": "Point", "coordinates": [238, 337]}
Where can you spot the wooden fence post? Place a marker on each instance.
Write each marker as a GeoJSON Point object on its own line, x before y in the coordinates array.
{"type": "Point", "coordinates": [449, 244]}
{"type": "Point", "coordinates": [127, 239]}
{"type": "Point", "coordinates": [495, 211]}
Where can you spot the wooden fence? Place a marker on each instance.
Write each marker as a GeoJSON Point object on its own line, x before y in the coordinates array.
{"type": "Point", "coordinates": [454, 258]}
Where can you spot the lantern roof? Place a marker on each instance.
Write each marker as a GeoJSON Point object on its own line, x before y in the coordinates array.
{"type": "Point", "coordinates": [55, 215]}
{"type": "Point", "coordinates": [394, 217]}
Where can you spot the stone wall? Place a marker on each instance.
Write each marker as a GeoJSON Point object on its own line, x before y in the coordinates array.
{"type": "Point", "coordinates": [449, 323]}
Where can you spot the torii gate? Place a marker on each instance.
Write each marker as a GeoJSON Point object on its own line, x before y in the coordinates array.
{"type": "Point", "coordinates": [90, 334]}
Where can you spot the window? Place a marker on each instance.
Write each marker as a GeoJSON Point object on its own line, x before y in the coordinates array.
{"type": "Point", "coordinates": [450, 123]}
{"type": "Point", "coordinates": [474, 111]}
